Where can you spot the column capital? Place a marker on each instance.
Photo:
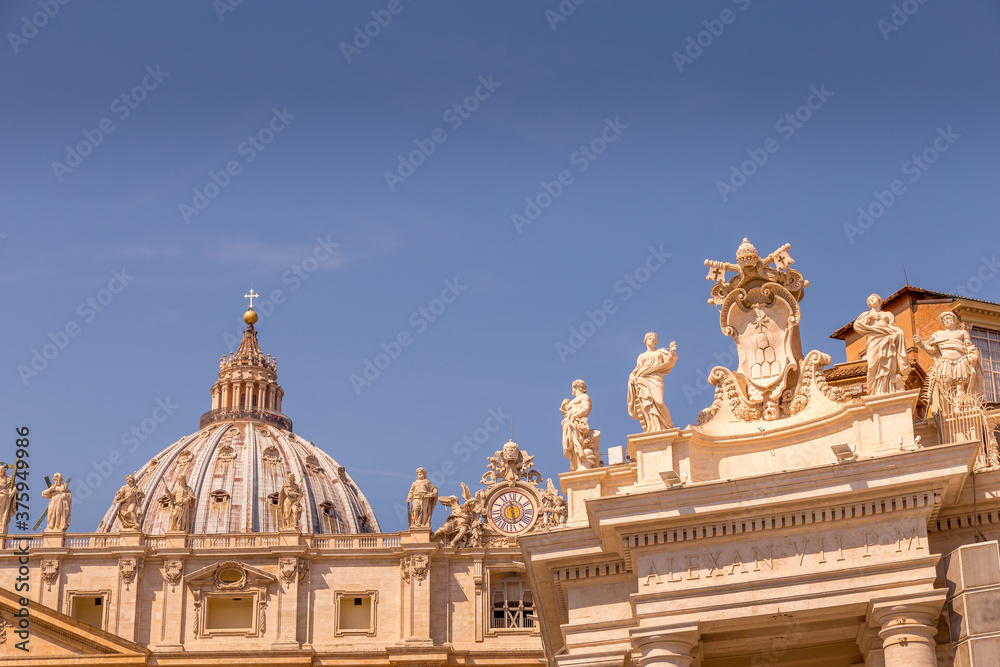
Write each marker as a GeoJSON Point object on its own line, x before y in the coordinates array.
{"type": "Point", "coordinates": [665, 645]}
{"type": "Point", "coordinates": [907, 625]}
{"type": "Point", "coordinates": [923, 608]}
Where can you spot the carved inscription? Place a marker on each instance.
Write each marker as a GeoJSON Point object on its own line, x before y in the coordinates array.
{"type": "Point", "coordinates": [790, 556]}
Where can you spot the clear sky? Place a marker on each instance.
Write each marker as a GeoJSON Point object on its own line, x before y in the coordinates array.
{"type": "Point", "coordinates": [526, 164]}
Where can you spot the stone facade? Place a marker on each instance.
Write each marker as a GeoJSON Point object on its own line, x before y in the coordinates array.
{"type": "Point", "coordinates": [812, 516]}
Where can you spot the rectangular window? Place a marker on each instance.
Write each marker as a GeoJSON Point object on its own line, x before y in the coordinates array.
{"type": "Point", "coordinates": [89, 609]}
{"type": "Point", "coordinates": [512, 605]}
{"type": "Point", "coordinates": [230, 613]}
{"type": "Point", "coordinates": [356, 612]}
{"type": "Point", "coordinates": [988, 343]}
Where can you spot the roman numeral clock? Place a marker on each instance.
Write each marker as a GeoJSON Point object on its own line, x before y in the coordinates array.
{"type": "Point", "coordinates": [512, 504]}
{"type": "Point", "coordinates": [512, 511]}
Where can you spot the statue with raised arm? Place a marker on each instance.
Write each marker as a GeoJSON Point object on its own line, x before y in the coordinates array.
{"type": "Point", "coordinates": [290, 504]}
{"type": "Point", "coordinates": [580, 442]}
{"type": "Point", "coordinates": [129, 499]}
{"type": "Point", "coordinates": [645, 385]}
{"type": "Point", "coordinates": [182, 504]}
{"type": "Point", "coordinates": [958, 369]}
{"type": "Point", "coordinates": [420, 500]}
{"type": "Point", "coordinates": [886, 352]}
{"type": "Point", "coordinates": [60, 504]}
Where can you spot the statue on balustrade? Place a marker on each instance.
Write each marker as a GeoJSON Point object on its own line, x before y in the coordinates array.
{"type": "Point", "coordinates": [886, 352]}
{"type": "Point", "coordinates": [420, 500]}
{"type": "Point", "coordinates": [182, 504]}
{"type": "Point", "coordinates": [645, 386]}
{"type": "Point", "coordinates": [129, 499]}
{"type": "Point", "coordinates": [580, 442]}
{"type": "Point", "coordinates": [8, 497]}
{"type": "Point", "coordinates": [60, 504]}
{"type": "Point", "coordinates": [290, 504]}
{"type": "Point", "coordinates": [958, 369]}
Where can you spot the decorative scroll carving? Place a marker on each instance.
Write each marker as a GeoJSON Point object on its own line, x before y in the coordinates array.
{"type": "Point", "coordinates": [287, 567]}
{"type": "Point", "coordinates": [510, 464]}
{"type": "Point", "coordinates": [128, 569]}
{"type": "Point", "coordinates": [172, 573]}
{"type": "Point", "coordinates": [413, 566]}
{"type": "Point", "coordinates": [50, 572]}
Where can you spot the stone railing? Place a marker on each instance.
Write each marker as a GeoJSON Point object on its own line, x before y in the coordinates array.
{"type": "Point", "coordinates": [231, 541]}
{"type": "Point", "coordinates": [255, 414]}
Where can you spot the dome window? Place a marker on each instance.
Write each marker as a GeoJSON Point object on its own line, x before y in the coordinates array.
{"type": "Point", "coordinates": [164, 501]}
{"type": "Point", "coordinates": [313, 464]}
{"type": "Point", "coordinates": [227, 454]}
{"type": "Point", "coordinates": [271, 456]}
{"type": "Point", "coordinates": [273, 499]}
{"type": "Point", "coordinates": [220, 497]}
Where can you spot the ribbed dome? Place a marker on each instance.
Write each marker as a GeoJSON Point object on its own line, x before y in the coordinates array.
{"type": "Point", "coordinates": [239, 460]}
{"type": "Point", "coordinates": [236, 470]}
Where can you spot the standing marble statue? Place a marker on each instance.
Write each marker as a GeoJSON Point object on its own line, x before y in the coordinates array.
{"type": "Point", "coordinates": [60, 504]}
{"type": "Point", "coordinates": [886, 352]}
{"type": "Point", "coordinates": [957, 367]}
{"type": "Point", "coordinates": [8, 498]}
{"type": "Point", "coordinates": [182, 504]}
{"type": "Point", "coordinates": [580, 442]}
{"type": "Point", "coordinates": [645, 386]}
{"type": "Point", "coordinates": [129, 499]}
{"type": "Point", "coordinates": [420, 500]}
{"type": "Point", "coordinates": [289, 504]}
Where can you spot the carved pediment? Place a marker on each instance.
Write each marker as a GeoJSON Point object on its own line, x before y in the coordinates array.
{"type": "Point", "coordinates": [229, 575]}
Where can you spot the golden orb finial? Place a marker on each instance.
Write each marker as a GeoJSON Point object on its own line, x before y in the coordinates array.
{"type": "Point", "coordinates": [250, 317]}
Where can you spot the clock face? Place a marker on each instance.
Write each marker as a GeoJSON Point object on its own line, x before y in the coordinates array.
{"type": "Point", "coordinates": [512, 512]}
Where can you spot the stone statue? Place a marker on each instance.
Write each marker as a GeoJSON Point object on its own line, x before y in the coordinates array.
{"type": "Point", "coordinates": [645, 386]}
{"type": "Point", "coordinates": [129, 499]}
{"type": "Point", "coordinates": [958, 369]}
{"type": "Point", "coordinates": [8, 498]}
{"type": "Point", "coordinates": [289, 504]}
{"type": "Point", "coordinates": [554, 507]}
{"type": "Point", "coordinates": [420, 500]}
{"type": "Point", "coordinates": [580, 442]}
{"type": "Point", "coordinates": [182, 504]}
{"type": "Point", "coordinates": [463, 526]}
{"type": "Point", "coordinates": [886, 354]}
{"type": "Point", "coordinates": [60, 504]}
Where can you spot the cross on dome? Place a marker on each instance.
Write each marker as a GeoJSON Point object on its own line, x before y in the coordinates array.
{"type": "Point", "coordinates": [251, 296]}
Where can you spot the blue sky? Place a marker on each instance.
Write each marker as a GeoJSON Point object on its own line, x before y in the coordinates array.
{"type": "Point", "coordinates": [196, 150]}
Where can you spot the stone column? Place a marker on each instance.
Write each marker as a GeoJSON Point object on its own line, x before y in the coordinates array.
{"type": "Point", "coordinates": [907, 626]}
{"type": "Point", "coordinates": [666, 646]}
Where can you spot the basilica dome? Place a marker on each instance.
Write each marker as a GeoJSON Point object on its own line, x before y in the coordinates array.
{"type": "Point", "coordinates": [238, 461]}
